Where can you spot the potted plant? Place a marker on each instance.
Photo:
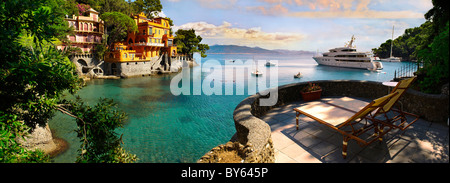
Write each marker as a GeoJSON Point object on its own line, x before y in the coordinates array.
{"type": "Point", "coordinates": [311, 92]}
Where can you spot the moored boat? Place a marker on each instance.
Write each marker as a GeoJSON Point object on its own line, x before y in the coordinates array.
{"type": "Point", "coordinates": [347, 56]}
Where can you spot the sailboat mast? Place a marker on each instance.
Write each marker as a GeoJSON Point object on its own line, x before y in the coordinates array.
{"type": "Point", "coordinates": [392, 40]}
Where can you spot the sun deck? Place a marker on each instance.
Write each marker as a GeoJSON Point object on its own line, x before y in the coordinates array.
{"type": "Point", "coordinates": [422, 142]}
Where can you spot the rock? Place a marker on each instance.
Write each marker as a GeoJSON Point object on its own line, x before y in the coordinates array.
{"type": "Point", "coordinates": [40, 138]}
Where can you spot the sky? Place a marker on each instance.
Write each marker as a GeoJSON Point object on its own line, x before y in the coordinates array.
{"type": "Point", "coordinates": [310, 25]}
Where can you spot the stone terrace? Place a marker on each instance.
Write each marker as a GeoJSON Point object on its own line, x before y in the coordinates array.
{"type": "Point", "coordinates": [422, 142]}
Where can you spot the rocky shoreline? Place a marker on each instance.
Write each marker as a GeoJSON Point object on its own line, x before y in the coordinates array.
{"type": "Point", "coordinates": [42, 138]}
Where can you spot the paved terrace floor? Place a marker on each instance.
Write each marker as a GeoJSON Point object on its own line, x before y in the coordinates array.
{"type": "Point", "coordinates": [422, 142]}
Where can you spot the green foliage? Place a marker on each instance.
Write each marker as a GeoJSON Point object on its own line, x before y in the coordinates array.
{"type": "Point", "coordinates": [118, 25]}
{"type": "Point", "coordinates": [147, 6]}
{"type": "Point", "coordinates": [96, 125]}
{"type": "Point", "coordinates": [41, 19]}
{"type": "Point", "coordinates": [436, 62]}
{"type": "Point", "coordinates": [439, 15]}
{"type": "Point", "coordinates": [69, 7]}
{"type": "Point", "coordinates": [105, 6]}
{"type": "Point", "coordinates": [406, 46]}
{"type": "Point", "coordinates": [100, 51]}
{"type": "Point", "coordinates": [434, 54]}
{"type": "Point", "coordinates": [33, 76]}
{"type": "Point", "coordinates": [31, 86]}
{"type": "Point", "coordinates": [188, 43]}
{"type": "Point", "coordinates": [311, 87]}
{"type": "Point", "coordinates": [10, 151]}
{"type": "Point", "coordinates": [429, 45]}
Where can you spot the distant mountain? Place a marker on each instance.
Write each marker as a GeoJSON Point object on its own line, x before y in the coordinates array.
{"type": "Point", "coordinates": [234, 49]}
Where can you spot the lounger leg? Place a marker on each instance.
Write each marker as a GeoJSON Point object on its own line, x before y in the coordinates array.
{"type": "Point", "coordinates": [296, 119]}
{"type": "Point", "coordinates": [375, 134]}
{"type": "Point", "coordinates": [380, 137]}
{"type": "Point", "coordinates": [344, 147]}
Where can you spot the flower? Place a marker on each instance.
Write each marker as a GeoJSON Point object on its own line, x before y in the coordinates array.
{"type": "Point", "coordinates": [82, 8]}
{"type": "Point", "coordinates": [311, 87]}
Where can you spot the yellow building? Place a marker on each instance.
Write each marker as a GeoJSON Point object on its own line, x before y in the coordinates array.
{"type": "Point", "coordinates": [153, 39]}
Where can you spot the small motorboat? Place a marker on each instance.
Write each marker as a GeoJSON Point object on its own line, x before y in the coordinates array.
{"type": "Point", "coordinates": [298, 75]}
{"type": "Point", "coordinates": [257, 73]}
{"type": "Point", "coordinates": [268, 64]}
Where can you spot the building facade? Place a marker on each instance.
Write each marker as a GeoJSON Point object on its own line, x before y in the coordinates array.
{"type": "Point", "coordinates": [152, 40]}
{"type": "Point", "coordinates": [147, 51]}
{"type": "Point", "coordinates": [89, 31]}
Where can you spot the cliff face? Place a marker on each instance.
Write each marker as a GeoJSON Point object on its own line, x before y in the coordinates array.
{"type": "Point", "coordinates": [40, 138]}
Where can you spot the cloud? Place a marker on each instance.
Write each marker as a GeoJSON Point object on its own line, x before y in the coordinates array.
{"type": "Point", "coordinates": [358, 14]}
{"type": "Point", "coordinates": [217, 4]}
{"type": "Point", "coordinates": [273, 10]}
{"type": "Point", "coordinates": [227, 34]}
{"type": "Point", "coordinates": [329, 9]}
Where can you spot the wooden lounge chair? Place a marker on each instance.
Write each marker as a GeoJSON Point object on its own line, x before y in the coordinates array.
{"type": "Point", "coordinates": [346, 121]}
{"type": "Point", "coordinates": [399, 121]}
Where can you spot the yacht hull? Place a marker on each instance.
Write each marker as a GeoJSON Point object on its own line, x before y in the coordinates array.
{"type": "Point", "coordinates": [330, 61]}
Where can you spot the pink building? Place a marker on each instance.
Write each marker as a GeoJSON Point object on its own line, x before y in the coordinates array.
{"type": "Point", "coordinates": [88, 31]}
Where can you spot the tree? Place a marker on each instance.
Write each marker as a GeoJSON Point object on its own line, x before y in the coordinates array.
{"type": "Point", "coordinates": [118, 25]}
{"type": "Point", "coordinates": [96, 130]}
{"type": "Point", "coordinates": [188, 43]}
{"type": "Point", "coordinates": [406, 45]}
{"type": "Point", "coordinates": [105, 6]}
{"type": "Point", "coordinates": [436, 63]}
{"type": "Point", "coordinates": [147, 6]}
{"type": "Point", "coordinates": [434, 52]}
{"type": "Point", "coordinates": [439, 15]}
{"type": "Point", "coordinates": [31, 78]}
{"type": "Point", "coordinates": [34, 77]}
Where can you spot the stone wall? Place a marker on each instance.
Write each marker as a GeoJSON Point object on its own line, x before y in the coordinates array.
{"type": "Point", "coordinates": [431, 107]}
{"type": "Point", "coordinates": [252, 131]}
{"type": "Point", "coordinates": [140, 68]}
{"type": "Point", "coordinates": [129, 69]}
{"type": "Point", "coordinates": [85, 63]}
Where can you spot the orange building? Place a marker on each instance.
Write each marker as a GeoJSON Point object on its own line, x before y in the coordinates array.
{"type": "Point", "coordinates": [152, 40]}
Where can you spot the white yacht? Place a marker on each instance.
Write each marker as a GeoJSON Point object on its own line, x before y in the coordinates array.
{"type": "Point", "coordinates": [347, 56]}
{"type": "Point", "coordinates": [391, 59]}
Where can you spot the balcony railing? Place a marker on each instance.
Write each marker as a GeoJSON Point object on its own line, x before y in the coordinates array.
{"type": "Point", "coordinates": [148, 44]}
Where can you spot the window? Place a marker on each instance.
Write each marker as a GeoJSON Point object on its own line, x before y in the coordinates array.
{"type": "Point", "coordinates": [125, 55]}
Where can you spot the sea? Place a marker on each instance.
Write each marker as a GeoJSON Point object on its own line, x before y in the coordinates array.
{"type": "Point", "coordinates": [164, 126]}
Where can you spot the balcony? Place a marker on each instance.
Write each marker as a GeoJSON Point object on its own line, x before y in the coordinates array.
{"type": "Point", "coordinates": [147, 44]}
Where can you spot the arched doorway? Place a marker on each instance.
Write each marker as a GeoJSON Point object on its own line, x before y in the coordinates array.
{"type": "Point", "coordinates": [83, 64]}
{"type": "Point", "coordinates": [114, 68]}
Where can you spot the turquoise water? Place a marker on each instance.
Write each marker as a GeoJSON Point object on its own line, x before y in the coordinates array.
{"type": "Point", "coordinates": [163, 128]}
